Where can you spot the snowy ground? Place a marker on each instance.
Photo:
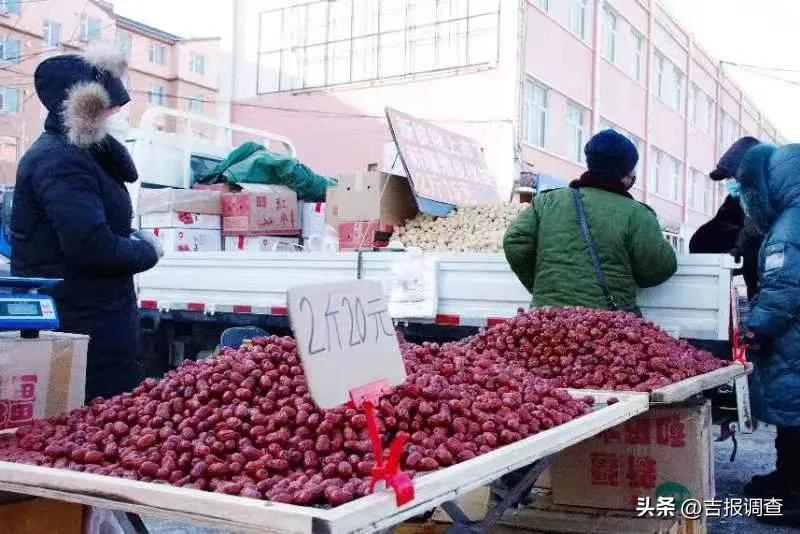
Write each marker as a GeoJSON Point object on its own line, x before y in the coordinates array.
{"type": "Point", "coordinates": [756, 454]}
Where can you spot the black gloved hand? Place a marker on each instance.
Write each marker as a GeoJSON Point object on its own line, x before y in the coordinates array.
{"type": "Point", "coordinates": [756, 342]}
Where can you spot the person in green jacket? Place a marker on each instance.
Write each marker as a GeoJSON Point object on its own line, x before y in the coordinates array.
{"type": "Point", "coordinates": [548, 250]}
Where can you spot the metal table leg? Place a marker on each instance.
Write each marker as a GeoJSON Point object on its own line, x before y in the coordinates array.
{"type": "Point", "coordinates": [463, 525]}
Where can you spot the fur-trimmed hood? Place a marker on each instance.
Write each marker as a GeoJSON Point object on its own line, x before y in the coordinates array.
{"type": "Point", "coordinates": [78, 90]}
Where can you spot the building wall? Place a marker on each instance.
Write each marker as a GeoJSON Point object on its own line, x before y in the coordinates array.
{"type": "Point", "coordinates": [21, 126]}
{"type": "Point", "coordinates": [652, 81]}
{"type": "Point", "coordinates": [342, 129]}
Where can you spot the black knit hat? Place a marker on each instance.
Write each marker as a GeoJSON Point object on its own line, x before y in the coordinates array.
{"type": "Point", "coordinates": [730, 161]}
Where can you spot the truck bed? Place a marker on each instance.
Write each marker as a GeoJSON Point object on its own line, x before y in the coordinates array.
{"type": "Point", "coordinates": [473, 289]}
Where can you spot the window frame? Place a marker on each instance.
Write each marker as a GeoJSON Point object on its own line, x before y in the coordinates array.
{"type": "Point", "coordinates": [676, 184]}
{"type": "Point", "coordinates": [86, 29]}
{"type": "Point", "coordinates": [576, 131]}
{"type": "Point", "coordinates": [679, 88]}
{"type": "Point", "coordinates": [578, 16]}
{"type": "Point", "coordinates": [157, 95]}
{"type": "Point", "coordinates": [610, 23]}
{"type": "Point", "coordinates": [11, 7]}
{"type": "Point", "coordinates": [127, 39]}
{"type": "Point", "coordinates": [544, 5]}
{"type": "Point", "coordinates": [197, 104]}
{"type": "Point", "coordinates": [5, 57]}
{"type": "Point", "coordinates": [195, 60]}
{"type": "Point", "coordinates": [536, 131]}
{"type": "Point", "coordinates": [47, 32]}
{"type": "Point", "coordinates": [638, 55]}
{"type": "Point", "coordinates": [4, 92]}
{"type": "Point", "coordinates": [155, 58]}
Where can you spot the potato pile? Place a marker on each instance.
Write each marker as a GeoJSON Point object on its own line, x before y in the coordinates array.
{"type": "Point", "coordinates": [476, 229]}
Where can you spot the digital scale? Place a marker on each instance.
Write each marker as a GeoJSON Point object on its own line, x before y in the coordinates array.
{"type": "Point", "coordinates": [23, 308]}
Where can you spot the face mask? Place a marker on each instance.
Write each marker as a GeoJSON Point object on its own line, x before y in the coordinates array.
{"type": "Point", "coordinates": [734, 189]}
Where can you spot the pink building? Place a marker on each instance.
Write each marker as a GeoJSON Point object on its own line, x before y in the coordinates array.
{"type": "Point", "coordinates": [530, 79]}
{"type": "Point", "coordinates": [164, 69]}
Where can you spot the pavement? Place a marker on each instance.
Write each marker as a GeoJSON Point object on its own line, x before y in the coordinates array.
{"type": "Point", "coordinates": [755, 455]}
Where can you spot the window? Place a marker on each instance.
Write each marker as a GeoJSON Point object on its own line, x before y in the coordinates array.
{"type": "Point", "coordinates": [678, 89]}
{"type": "Point", "coordinates": [323, 43]}
{"type": "Point", "coordinates": [544, 5]}
{"type": "Point", "coordinates": [675, 180]}
{"type": "Point", "coordinates": [125, 43]}
{"type": "Point", "coordinates": [51, 33]}
{"type": "Point", "coordinates": [691, 189]}
{"type": "Point", "coordinates": [9, 50]}
{"type": "Point", "coordinates": [156, 95]}
{"type": "Point", "coordinates": [638, 55]}
{"type": "Point", "coordinates": [10, 6]}
{"type": "Point", "coordinates": [535, 114]}
{"type": "Point", "coordinates": [90, 29]}
{"type": "Point", "coordinates": [9, 100]}
{"type": "Point", "coordinates": [158, 54]}
{"type": "Point", "coordinates": [577, 17]}
{"type": "Point", "coordinates": [197, 63]}
{"type": "Point", "coordinates": [708, 188]}
{"type": "Point", "coordinates": [654, 176]}
{"type": "Point", "coordinates": [609, 35]}
{"type": "Point", "coordinates": [709, 122]}
{"type": "Point", "coordinates": [660, 75]}
{"type": "Point", "coordinates": [576, 130]}
{"type": "Point", "coordinates": [196, 104]}
{"type": "Point", "coordinates": [9, 150]}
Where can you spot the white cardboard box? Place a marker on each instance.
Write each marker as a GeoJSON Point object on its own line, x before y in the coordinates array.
{"type": "Point", "coordinates": [188, 240]}
{"type": "Point", "coordinates": [181, 219]}
{"type": "Point", "coordinates": [243, 243]}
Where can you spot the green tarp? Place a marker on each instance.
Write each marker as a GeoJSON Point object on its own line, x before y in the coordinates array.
{"type": "Point", "coordinates": [252, 163]}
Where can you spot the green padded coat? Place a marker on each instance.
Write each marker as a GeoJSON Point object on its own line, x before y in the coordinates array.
{"type": "Point", "coordinates": [546, 250]}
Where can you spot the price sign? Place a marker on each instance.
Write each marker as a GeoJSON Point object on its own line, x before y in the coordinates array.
{"type": "Point", "coordinates": [345, 338]}
{"type": "Point", "coordinates": [442, 165]}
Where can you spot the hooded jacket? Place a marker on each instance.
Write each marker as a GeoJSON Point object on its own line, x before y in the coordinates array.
{"type": "Point", "coordinates": [72, 212]}
{"type": "Point", "coordinates": [770, 182]}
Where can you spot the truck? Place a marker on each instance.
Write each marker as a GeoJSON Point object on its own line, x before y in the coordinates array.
{"type": "Point", "coordinates": [189, 298]}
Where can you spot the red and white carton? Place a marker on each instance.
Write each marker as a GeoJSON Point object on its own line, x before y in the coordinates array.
{"type": "Point", "coordinates": [188, 239]}
{"type": "Point", "coordinates": [264, 243]}
{"type": "Point", "coordinates": [181, 219]}
{"type": "Point", "coordinates": [41, 377]}
{"type": "Point", "coordinates": [364, 235]}
{"type": "Point", "coordinates": [261, 210]}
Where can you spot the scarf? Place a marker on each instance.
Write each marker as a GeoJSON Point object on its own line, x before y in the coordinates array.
{"type": "Point", "coordinates": [601, 181]}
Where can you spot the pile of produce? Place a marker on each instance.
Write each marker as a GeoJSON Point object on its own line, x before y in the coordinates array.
{"type": "Point", "coordinates": [245, 424]}
{"type": "Point", "coordinates": [477, 229]}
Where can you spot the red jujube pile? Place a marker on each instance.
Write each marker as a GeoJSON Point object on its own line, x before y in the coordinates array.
{"type": "Point", "coordinates": [245, 424]}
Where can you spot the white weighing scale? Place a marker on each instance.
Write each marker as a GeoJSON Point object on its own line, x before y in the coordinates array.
{"type": "Point", "coordinates": [24, 308]}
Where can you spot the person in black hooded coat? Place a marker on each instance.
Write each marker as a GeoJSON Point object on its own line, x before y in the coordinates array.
{"type": "Point", "coordinates": [72, 215]}
{"type": "Point", "coordinates": [730, 232]}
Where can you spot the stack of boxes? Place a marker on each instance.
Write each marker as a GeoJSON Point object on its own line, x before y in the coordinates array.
{"type": "Point", "coordinates": [260, 218]}
{"type": "Point", "coordinates": [362, 209]}
{"type": "Point", "coordinates": [183, 220]}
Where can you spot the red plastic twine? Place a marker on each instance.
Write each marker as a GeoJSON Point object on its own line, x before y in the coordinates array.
{"type": "Point", "coordinates": [388, 469]}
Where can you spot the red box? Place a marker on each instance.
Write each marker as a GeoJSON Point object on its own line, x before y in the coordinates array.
{"type": "Point", "coordinates": [267, 210]}
{"type": "Point", "coordinates": [364, 235]}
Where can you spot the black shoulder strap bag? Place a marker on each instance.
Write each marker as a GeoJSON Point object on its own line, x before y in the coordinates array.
{"type": "Point", "coordinates": [590, 244]}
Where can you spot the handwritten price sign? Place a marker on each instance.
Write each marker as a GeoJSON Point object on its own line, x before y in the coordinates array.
{"type": "Point", "coordinates": [442, 165]}
{"type": "Point", "coordinates": [345, 337]}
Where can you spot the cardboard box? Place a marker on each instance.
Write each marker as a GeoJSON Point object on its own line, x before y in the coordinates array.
{"type": "Point", "coordinates": [188, 200]}
{"type": "Point", "coordinates": [221, 188]}
{"type": "Point", "coordinates": [666, 452]}
{"type": "Point", "coordinates": [42, 516]}
{"type": "Point", "coordinates": [188, 240]}
{"type": "Point", "coordinates": [364, 235]}
{"type": "Point", "coordinates": [181, 219]}
{"type": "Point", "coordinates": [41, 377]}
{"type": "Point", "coordinates": [243, 243]}
{"type": "Point", "coordinates": [313, 219]}
{"type": "Point", "coordinates": [370, 196]}
{"type": "Point", "coordinates": [262, 210]}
